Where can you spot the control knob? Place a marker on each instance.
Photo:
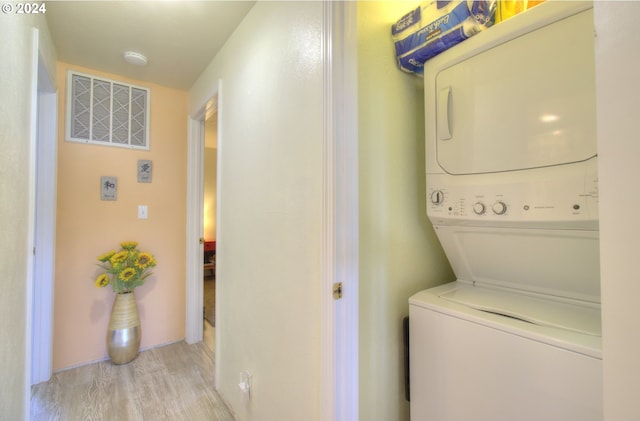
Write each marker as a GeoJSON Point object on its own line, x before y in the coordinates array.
{"type": "Point", "coordinates": [499, 208]}
{"type": "Point", "coordinates": [479, 208]}
{"type": "Point", "coordinates": [437, 197]}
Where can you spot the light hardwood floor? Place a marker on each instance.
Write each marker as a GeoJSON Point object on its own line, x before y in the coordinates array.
{"type": "Point", "coordinates": [173, 382]}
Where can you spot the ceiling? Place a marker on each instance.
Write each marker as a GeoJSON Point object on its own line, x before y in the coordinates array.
{"type": "Point", "coordinates": [178, 37]}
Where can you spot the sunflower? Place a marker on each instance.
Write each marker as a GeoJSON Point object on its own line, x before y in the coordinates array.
{"type": "Point", "coordinates": [127, 275]}
{"type": "Point", "coordinates": [124, 269]}
{"type": "Point", "coordinates": [102, 281]}
{"type": "Point", "coordinates": [119, 258]}
{"type": "Point", "coordinates": [144, 261]}
{"type": "Point", "coordinates": [106, 256]}
{"type": "Point", "coordinates": [129, 245]}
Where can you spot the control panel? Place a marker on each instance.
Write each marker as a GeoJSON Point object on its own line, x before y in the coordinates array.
{"type": "Point", "coordinates": [481, 200]}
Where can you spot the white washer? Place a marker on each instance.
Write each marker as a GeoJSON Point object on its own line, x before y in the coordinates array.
{"type": "Point", "coordinates": [512, 193]}
{"type": "Point", "coordinates": [468, 364]}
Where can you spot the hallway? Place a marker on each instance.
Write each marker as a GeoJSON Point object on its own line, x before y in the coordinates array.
{"type": "Point", "coordinates": [173, 382]}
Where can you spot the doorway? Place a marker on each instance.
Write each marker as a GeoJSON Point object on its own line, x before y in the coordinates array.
{"type": "Point", "coordinates": [210, 158]}
{"type": "Point", "coordinates": [195, 212]}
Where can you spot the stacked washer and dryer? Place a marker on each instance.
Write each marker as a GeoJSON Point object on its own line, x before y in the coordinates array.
{"type": "Point", "coordinates": [512, 192]}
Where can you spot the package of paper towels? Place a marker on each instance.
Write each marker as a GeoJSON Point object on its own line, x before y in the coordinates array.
{"type": "Point", "coordinates": [435, 26]}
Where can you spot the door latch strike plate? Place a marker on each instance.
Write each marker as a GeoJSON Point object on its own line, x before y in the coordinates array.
{"type": "Point", "coordinates": [337, 290]}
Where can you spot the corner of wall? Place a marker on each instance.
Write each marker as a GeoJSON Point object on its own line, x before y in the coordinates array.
{"type": "Point", "coordinates": [399, 252]}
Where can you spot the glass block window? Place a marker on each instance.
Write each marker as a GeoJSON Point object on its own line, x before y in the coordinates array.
{"type": "Point", "coordinates": [106, 112]}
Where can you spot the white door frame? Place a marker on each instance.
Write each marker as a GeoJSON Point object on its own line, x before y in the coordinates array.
{"type": "Point", "coordinates": [194, 290]}
{"type": "Point", "coordinates": [44, 125]}
{"type": "Point", "coordinates": [42, 222]}
{"type": "Point", "coordinates": [339, 318]}
{"type": "Point", "coordinates": [195, 216]}
{"type": "Point", "coordinates": [45, 237]}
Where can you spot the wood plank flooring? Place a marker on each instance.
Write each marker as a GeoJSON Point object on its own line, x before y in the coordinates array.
{"type": "Point", "coordinates": [173, 382]}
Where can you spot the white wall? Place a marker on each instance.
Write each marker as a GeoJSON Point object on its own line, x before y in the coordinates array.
{"type": "Point", "coordinates": [618, 93]}
{"type": "Point", "coordinates": [399, 252]}
{"type": "Point", "coordinates": [15, 103]}
{"type": "Point", "coordinates": [269, 221]}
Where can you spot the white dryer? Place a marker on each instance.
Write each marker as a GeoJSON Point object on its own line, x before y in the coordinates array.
{"type": "Point", "coordinates": [512, 194]}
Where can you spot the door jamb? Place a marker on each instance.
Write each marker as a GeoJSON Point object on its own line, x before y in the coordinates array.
{"type": "Point", "coordinates": [339, 330]}
{"type": "Point", "coordinates": [45, 238]}
{"type": "Point", "coordinates": [42, 223]}
{"type": "Point", "coordinates": [195, 217]}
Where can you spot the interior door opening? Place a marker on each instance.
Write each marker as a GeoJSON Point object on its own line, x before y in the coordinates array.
{"type": "Point", "coordinates": [210, 113]}
{"type": "Point", "coordinates": [210, 162]}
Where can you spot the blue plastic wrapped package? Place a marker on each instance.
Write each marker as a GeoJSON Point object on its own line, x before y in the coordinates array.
{"type": "Point", "coordinates": [435, 26]}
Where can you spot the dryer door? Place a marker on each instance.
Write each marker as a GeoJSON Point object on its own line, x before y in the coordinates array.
{"type": "Point", "coordinates": [526, 103]}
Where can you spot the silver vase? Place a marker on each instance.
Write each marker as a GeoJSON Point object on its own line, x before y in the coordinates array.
{"type": "Point", "coordinates": [124, 332]}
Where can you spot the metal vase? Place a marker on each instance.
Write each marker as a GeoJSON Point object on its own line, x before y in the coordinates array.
{"type": "Point", "coordinates": [124, 332]}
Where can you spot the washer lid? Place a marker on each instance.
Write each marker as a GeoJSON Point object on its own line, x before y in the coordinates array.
{"type": "Point", "coordinates": [554, 263]}
{"type": "Point", "coordinates": [562, 314]}
{"type": "Point", "coordinates": [440, 300]}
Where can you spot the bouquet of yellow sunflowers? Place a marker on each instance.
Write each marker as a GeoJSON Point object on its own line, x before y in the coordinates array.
{"type": "Point", "coordinates": [125, 269]}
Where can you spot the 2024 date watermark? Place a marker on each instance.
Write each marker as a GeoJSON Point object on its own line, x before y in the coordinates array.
{"type": "Point", "coordinates": [23, 8]}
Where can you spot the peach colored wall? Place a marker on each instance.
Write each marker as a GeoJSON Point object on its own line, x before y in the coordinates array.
{"type": "Point", "coordinates": [88, 227]}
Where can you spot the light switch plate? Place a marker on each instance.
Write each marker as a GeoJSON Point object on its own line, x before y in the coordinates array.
{"type": "Point", "coordinates": [142, 212]}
